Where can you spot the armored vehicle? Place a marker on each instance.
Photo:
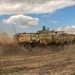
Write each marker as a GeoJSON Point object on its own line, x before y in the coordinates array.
{"type": "Point", "coordinates": [43, 37]}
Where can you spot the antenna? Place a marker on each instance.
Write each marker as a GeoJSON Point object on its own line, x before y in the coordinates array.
{"type": "Point", "coordinates": [8, 16]}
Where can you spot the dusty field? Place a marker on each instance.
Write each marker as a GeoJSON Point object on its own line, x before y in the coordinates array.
{"type": "Point", "coordinates": [38, 61]}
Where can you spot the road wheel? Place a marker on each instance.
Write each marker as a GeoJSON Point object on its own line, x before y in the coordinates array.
{"type": "Point", "coordinates": [26, 46]}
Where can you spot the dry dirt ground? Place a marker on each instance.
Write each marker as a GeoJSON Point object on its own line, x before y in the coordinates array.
{"type": "Point", "coordinates": [38, 61]}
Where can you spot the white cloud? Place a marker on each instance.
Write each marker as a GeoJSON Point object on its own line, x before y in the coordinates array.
{"type": "Point", "coordinates": [45, 16]}
{"type": "Point", "coordinates": [34, 6]}
{"type": "Point", "coordinates": [53, 21]}
{"type": "Point", "coordinates": [22, 21]}
{"type": "Point", "coordinates": [68, 29]}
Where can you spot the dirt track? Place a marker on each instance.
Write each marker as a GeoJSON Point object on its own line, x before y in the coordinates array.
{"type": "Point", "coordinates": [56, 63]}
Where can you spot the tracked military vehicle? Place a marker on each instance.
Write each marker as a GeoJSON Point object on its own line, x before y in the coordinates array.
{"type": "Point", "coordinates": [43, 37]}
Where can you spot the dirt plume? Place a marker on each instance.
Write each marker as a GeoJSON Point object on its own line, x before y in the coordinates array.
{"type": "Point", "coordinates": [5, 39]}
{"type": "Point", "coordinates": [8, 47]}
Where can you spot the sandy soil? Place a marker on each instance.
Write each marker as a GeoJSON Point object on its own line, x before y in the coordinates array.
{"type": "Point", "coordinates": [39, 61]}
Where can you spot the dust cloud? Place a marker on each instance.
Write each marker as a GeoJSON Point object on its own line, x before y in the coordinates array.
{"type": "Point", "coordinates": [6, 43]}
{"type": "Point", "coordinates": [8, 47]}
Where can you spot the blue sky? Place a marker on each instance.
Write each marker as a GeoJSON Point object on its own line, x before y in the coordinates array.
{"type": "Point", "coordinates": [62, 18]}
